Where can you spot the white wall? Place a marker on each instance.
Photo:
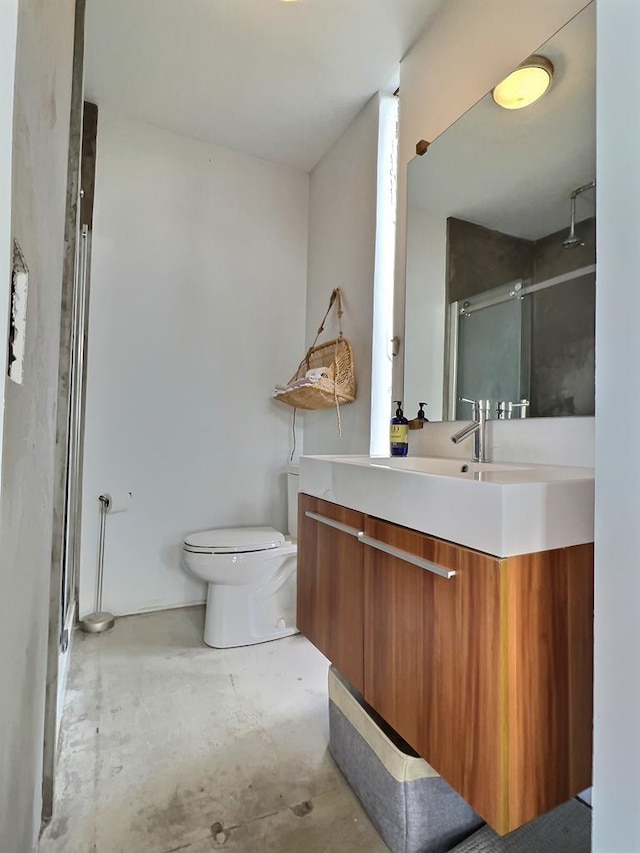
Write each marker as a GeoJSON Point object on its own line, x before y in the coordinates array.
{"type": "Point", "coordinates": [197, 309]}
{"type": "Point", "coordinates": [616, 818]}
{"type": "Point", "coordinates": [342, 247]}
{"type": "Point", "coordinates": [41, 115]}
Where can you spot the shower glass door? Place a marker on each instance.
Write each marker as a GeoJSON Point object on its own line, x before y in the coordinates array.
{"type": "Point", "coordinates": [493, 348]}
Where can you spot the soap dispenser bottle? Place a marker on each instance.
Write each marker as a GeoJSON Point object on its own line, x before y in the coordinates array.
{"type": "Point", "coordinates": [399, 433]}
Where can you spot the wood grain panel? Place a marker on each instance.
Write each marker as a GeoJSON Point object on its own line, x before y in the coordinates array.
{"type": "Point", "coordinates": [488, 675]}
{"type": "Point", "coordinates": [307, 570]}
{"type": "Point", "coordinates": [330, 586]}
{"type": "Point", "coordinates": [395, 638]}
{"type": "Point", "coordinates": [550, 679]}
{"type": "Point", "coordinates": [433, 659]}
{"type": "Point", "coordinates": [464, 731]}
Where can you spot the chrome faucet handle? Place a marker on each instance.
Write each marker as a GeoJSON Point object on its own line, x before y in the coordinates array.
{"type": "Point", "coordinates": [478, 405]}
{"type": "Point", "coordinates": [475, 412]}
{"type": "Point", "coordinates": [523, 405]}
{"type": "Point", "coordinates": [506, 407]}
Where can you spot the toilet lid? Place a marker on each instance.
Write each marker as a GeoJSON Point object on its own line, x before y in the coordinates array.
{"type": "Point", "coordinates": [234, 540]}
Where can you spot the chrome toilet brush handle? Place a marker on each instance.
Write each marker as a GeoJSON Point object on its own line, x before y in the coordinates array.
{"type": "Point", "coordinates": [99, 621]}
{"type": "Point", "coordinates": [103, 525]}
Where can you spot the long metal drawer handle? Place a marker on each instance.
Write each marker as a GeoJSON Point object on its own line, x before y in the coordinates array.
{"type": "Point", "coordinates": [407, 557]}
{"type": "Point", "coordinates": [344, 528]}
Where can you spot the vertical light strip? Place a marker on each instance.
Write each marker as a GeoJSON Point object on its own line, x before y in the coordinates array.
{"type": "Point", "coordinates": [383, 283]}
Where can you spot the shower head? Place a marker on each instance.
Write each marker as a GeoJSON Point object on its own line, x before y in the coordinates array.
{"type": "Point", "coordinates": [572, 241]}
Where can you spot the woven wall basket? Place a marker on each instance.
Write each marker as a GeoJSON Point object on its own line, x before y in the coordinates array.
{"type": "Point", "coordinates": [338, 387]}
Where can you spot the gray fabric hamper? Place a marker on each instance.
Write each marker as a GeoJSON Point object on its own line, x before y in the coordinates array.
{"type": "Point", "coordinates": [411, 806]}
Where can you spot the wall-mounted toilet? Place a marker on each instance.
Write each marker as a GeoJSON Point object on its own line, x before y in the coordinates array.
{"type": "Point", "coordinates": [251, 577]}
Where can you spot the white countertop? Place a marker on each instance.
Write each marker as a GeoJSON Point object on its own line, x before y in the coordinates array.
{"type": "Point", "coordinates": [502, 509]}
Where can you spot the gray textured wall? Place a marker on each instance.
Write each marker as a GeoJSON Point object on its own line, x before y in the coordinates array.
{"type": "Point", "coordinates": [563, 338]}
{"type": "Point", "coordinates": [480, 259]}
{"type": "Point", "coordinates": [41, 129]}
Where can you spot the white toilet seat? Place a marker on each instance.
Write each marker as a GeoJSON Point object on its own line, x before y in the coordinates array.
{"type": "Point", "coordinates": [239, 568]}
{"type": "Point", "coordinates": [233, 540]}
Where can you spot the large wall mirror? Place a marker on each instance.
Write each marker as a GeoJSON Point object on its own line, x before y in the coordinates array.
{"type": "Point", "coordinates": [500, 288]}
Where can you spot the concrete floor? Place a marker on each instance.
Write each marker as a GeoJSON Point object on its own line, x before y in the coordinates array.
{"type": "Point", "coordinates": [168, 745]}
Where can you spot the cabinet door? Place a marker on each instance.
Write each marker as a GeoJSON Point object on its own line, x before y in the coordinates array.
{"type": "Point", "coordinates": [549, 642]}
{"type": "Point", "coordinates": [330, 583]}
{"type": "Point", "coordinates": [433, 661]}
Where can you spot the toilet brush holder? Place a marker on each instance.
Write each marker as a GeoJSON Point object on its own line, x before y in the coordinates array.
{"type": "Point", "coordinates": [99, 621]}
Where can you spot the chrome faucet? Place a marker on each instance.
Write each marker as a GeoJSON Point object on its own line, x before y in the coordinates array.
{"type": "Point", "coordinates": [480, 413]}
{"type": "Point", "coordinates": [505, 409]}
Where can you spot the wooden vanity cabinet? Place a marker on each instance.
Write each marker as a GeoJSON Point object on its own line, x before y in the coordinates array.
{"type": "Point", "coordinates": [487, 673]}
{"type": "Point", "coordinates": [432, 656]}
{"type": "Point", "coordinates": [330, 608]}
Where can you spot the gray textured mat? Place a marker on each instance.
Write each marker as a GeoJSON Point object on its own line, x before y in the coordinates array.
{"type": "Point", "coordinates": [566, 829]}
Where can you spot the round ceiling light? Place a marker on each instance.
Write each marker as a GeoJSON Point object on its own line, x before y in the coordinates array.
{"type": "Point", "coordinates": [525, 85]}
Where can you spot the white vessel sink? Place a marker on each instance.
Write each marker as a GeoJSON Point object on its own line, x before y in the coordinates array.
{"type": "Point", "coordinates": [499, 508]}
{"type": "Point", "coordinates": [434, 465]}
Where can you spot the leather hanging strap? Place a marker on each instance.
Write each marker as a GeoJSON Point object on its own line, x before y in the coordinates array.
{"type": "Point", "coordinates": [336, 297]}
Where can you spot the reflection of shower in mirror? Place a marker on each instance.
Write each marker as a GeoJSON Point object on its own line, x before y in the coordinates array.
{"type": "Point", "coordinates": [573, 241]}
